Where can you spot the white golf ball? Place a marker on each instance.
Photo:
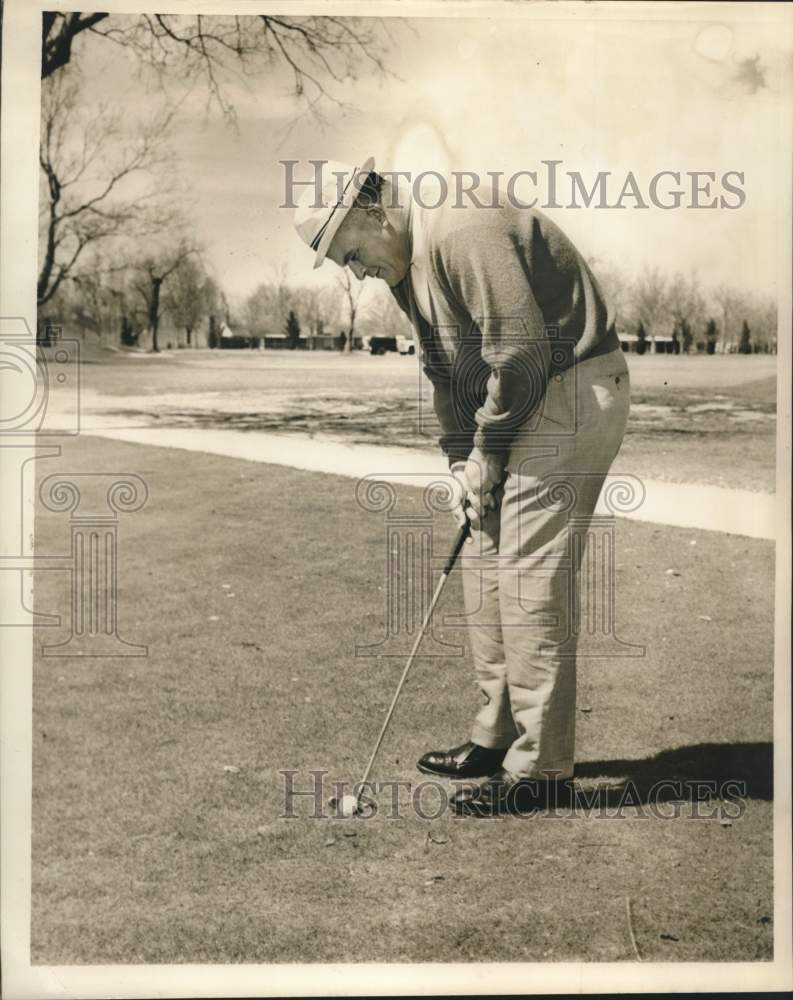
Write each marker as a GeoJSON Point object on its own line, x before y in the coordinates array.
{"type": "Point", "coordinates": [348, 805]}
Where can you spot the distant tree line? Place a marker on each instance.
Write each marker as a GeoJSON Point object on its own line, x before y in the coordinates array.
{"type": "Point", "coordinates": [690, 318]}
{"type": "Point", "coordinates": [160, 299]}
{"type": "Point", "coordinates": [329, 316]}
{"type": "Point", "coordinates": [127, 302]}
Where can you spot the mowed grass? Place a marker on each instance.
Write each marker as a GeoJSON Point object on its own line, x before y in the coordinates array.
{"type": "Point", "coordinates": [146, 849]}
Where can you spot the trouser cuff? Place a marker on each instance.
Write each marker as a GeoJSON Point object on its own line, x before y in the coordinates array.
{"type": "Point", "coordinates": [492, 740]}
{"type": "Point", "coordinates": [517, 764]}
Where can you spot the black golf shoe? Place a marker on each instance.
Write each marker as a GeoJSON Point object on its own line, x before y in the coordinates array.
{"type": "Point", "coordinates": [466, 761]}
{"type": "Point", "coordinates": [503, 792]}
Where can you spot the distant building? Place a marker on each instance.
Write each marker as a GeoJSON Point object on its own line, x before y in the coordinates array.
{"type": "Point", "coordinates": [628, 342]}
{"type": "Point", "coordinates": [660, 344]}
{"type": "Point", "coordinates": [306, 342]}
{"type": "Point", "coordinates": [319, 341]}
{"type": "Point", "coordinates": [229, 340]}
{"type": "Point", "coordinates": [275, 341]}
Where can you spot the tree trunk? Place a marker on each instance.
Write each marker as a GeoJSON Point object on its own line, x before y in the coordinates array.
{"type": "Point", "coordinates": [43, 290]}
{"type": "Point", "coordinates": [154, 313]}
{"type": "Point", "coordinates": [351, 331]}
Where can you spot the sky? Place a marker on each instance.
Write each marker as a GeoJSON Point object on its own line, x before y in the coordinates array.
{"type": "Point", "coordinates": [503, 95]}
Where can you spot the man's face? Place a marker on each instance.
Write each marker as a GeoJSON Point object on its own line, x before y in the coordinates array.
{"type": "Point", "coordinates": [369, 245]}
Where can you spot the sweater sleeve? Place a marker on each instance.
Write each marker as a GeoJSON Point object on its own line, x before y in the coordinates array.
{"type": "Point", "coordinates": [457, 433]}
{"type": "Point", "coordinates": [488, 274]}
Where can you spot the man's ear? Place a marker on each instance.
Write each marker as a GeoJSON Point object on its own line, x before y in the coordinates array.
{"type": "Point", "coordinates": [376, 213]}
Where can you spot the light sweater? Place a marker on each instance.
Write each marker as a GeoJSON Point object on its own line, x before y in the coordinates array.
{"type": "Point", "coordinates": [501, 301]}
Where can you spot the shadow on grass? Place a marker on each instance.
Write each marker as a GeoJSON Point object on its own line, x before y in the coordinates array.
{"type": "Point", "coordinates": [749, 765]}
{"type": "Point", "coordinates": [697, 774]}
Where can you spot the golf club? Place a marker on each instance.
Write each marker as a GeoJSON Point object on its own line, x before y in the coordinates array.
{"type": "Point", "coordinates": [348, 805]}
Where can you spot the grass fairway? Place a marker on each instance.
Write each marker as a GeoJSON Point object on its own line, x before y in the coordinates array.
{"type": "Point", "coordinates": [146, 849]}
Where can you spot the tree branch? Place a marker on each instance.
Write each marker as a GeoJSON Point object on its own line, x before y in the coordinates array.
{"type": "Point", "coordinates": [314, 48]}
{"type": "Point", "coordinates": [58, 31]}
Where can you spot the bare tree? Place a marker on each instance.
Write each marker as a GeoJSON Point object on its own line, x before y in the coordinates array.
{"type": "Point", "coordinates": [58, 32]}
{"type": "Point", "coordinates": [105, 293]}
{"type": "Point", "coordinates": [352, 292]}
{"type": "Point", "coordinates": [319, 309]}
{"type": "Point", "coordinates": [332, 304]}
{"type": "Point", "coordinates": [616, 288]}
{"type": "Point", "coordinates": [757, 311]}
{"type": "Point", "coordinates": [260, 311]}
{"type": "Point", "coordinates": [686, 307]}
{"type": "Point", "coordinates": [83, 185]}
{"type": "Point", "coordinates": [308, 301]}
{"type": "Point", "coordinates": [153, 271]}
{"type": "Point", "coordinates": [317, 50]}
{"type": "Point", "coordinates": [735, 307]}
{"type": "Point", "coordinates": [267, 307]}
{"type": "Point", "coordinates": [650, 297]}
{"type": "Point", "coordinates": [762, 317]}
{"type": "Point", "coordinates": [217, 304]}
{"type": "Point", "coordinates": [383, 317]}
{"type": "Point", "coordinates": [187, 295]}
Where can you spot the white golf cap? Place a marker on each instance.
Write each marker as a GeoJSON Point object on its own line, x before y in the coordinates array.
{"type": "Point", "coordinates": [317, 220]}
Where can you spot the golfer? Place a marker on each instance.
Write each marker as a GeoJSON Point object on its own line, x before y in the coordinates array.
{"type": "Point", "coordinates": [531, 391]}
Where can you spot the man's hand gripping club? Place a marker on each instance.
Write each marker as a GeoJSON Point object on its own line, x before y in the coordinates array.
{"type": "Point", "coordinates": [479, 478]}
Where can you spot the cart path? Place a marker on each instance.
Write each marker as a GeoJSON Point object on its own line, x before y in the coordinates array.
{"type": "Point", "coordinates": [681, 505]}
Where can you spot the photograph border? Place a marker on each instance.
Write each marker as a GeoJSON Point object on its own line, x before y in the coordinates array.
{"type": "Point", "coordinates": [18, 251]}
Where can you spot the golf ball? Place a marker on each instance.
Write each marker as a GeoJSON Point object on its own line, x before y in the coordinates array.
{"type": "Point", "coordinates": [348, 805]}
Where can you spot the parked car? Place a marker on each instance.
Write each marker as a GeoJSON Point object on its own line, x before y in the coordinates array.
{"type": "Point", "coordinates": [384, 345]}
{"type": "Point", "coordinates": [381, 345]}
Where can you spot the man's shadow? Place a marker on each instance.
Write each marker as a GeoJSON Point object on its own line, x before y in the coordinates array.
{"type": "Point", "coordinates": [698, 773]}
{"type": "Point", "coordinates": [735, 770]}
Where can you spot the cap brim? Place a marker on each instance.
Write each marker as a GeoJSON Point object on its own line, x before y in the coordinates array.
{"type": "Point", "coordinates": [340, 211]}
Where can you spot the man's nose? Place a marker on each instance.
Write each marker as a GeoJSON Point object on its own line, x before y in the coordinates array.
{"type": "Point", "coordinates": [357, 269]}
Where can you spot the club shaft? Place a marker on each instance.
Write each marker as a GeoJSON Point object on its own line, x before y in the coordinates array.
{"type": "Point", "coordinates": [438, 590]}
{"type": "Point", "coordinates": [457, 547]}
